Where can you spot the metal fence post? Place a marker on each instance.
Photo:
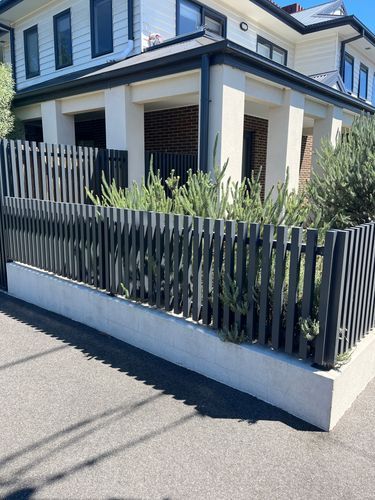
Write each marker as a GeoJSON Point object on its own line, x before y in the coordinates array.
{"type": "Point", "coordinates": [3, 238]}
{"type": "Point", "coordinates": [331, 296]}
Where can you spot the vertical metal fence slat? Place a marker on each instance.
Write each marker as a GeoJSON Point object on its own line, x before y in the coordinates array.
{"type": "Point", "coordinates": [16, 192]}
{"type": "Point", "coordinates": [372, 297]}
{"type": "Point", "coordinates": [218, 262]}
{"type": "Point", "coordinates": [308, 284]}
{"type": "Point", "coordinates": [119, 244]}
{"type": "Point", "coordinates": [167, 261]}
{"type": "Point", "coordinates": [240, 272]}
{"type": "Point", "coordinates": [95, 237]}
{"type": "Point", "coordinates": [254, 233]}
{"type": "Point", "coordinates": [228, 280]}
{"type": "Point", "coordinates": [113, 285]}
{"type": "Point", "coordinates": [107, 274]}
{"type": "Point", "coordinates": [29, 176]}
{"type": "Point", "coordinates": [207, 269]}
{"type": "Point", "coordinates": [365, 280]}
{"type": "Point", "coordinates": [186, 266]}
{"type": "Point", "coordinates": [197, 268]}
{"type": "Point", "coordinates": [345, 341]}
{"type": "Point", "coordinates": [21, 169]}
{"type": "Point", "coordinates": [294, 278]}
{"type": "Point", "coordinates": [278, 293]}
{"type": "Point", "coordinates": [158, 260]}
{"type": "Point", "coordinates": [359, 272]}
{"type": "Point", "coordinates": [142, 256]}
{"type": "Point", "coordinates": [134, 253]}
{"type": "Point", "coordinates": [264, 285]}
{"type": "Point", "coordinates": [176, 263]}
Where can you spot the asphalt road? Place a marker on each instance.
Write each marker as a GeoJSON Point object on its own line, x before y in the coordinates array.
{"type": "Point", "coordinates": [83, 416]}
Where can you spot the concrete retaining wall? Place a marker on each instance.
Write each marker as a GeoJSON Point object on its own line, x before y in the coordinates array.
{"type": "Point", "coordinates": [320, 398]}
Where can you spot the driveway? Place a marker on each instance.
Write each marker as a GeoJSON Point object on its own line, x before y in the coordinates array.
{"type": "Point", "coordinates": [84, 416]}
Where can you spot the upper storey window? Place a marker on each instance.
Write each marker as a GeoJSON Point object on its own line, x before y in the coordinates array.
{"type": "Point", "coordinates": [31, 47]}
{"type": "Point", "coordinates": [272, 51]}
{"type": "Point", "coordinates": [63, 39]}
{"type": "Point", "coordinates": [363, 82]}
{"type": "Point", "coordinates": [191, 16]}
{"type": "Point", "coordinates": [101, 27]}
{"type": "Point", "coordinates": [349, 72]}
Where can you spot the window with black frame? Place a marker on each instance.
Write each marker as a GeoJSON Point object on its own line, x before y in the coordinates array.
{"type": "Point", "coordinates": [31, 48]}
{"type": "Point", "coordinates": [63, 39]}
{"type": "Point", "coordinates": [348, 72]}
{"type": "Point", "coordinates": [363, 82]}
{"type": "Point", "coordinates": [101, 27]}
{"type": "Point", "coordinates": [191, 16]}
{"type": "Point", "coordinates": [272, 51]}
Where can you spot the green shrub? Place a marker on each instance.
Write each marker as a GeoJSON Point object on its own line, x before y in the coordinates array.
{"type": "Point", "coordinates": [6, 98]}
{"type": "Point", "coordinates": [343, 193]}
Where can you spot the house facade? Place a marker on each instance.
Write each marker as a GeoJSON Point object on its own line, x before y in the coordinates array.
{"type": "Point", "coordinates": [169, 75]}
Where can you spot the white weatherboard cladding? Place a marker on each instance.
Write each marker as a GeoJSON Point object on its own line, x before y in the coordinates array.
{"type": "Point", "coordinates": [163, 21]}
{"type": "Point", "coordinates": [317, 55]}
{"type": "Point", "coordinates": [81, 38]}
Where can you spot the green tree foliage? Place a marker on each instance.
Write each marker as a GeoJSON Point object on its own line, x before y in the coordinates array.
{"type": "Point", "coordinates": [6, 97]}
{"type": "Point", "coordinates": [343, 193]}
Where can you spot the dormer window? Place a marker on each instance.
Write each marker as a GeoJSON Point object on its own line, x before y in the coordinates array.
{"type": "Point", "coordinates": [191, 16]}
{"type": "Point", "coordinates": [271, 51]}
{"type": "Point", "coordinates": [101, 27]}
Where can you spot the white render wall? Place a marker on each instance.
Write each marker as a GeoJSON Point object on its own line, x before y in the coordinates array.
{"type": "Point", "coordinates": [81, 37]}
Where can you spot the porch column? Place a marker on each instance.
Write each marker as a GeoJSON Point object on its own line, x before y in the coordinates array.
{"type": "Point", "coordinates": [285, 128]}
{"type": "Point", "coordinates": [57, 127]}
{"type": "Point", "coordinates": [328, 127]}
{"type": "Point", "coordinates": [227, 111]}
{"type": "Point", "coordinates": [125, 128]}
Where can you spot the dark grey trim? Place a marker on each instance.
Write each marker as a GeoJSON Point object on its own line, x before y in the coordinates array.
{"type": "Point", "coordinates": [130, 19]}
{"type": "Point", "coordinates": [272, 46]}
{"type": "Point", "coordinates": [55, 21]}
{"type": "Point", "coordinates": [95, 54]}
{"type": "Point", "coordinates": [222, 52]}
{"type": "Point", "coordinates": [204, 111]}
{"type": "Point", "coordinates": [205, 11]}
{"type": "Point", "coordinates": [25, 34]}
{"type": "Point", "coordinates": [365, 69]}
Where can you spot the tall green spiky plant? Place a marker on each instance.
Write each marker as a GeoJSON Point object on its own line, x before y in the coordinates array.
{"type": "Point", "coordinates": [343, 191]}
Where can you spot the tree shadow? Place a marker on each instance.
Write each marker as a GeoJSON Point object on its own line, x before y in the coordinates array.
{"type": "Point", "coordinates": [209, 398]}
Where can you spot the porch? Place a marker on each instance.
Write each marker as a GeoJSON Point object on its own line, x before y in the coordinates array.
{"type": "Point", "coordinates": [263, 126]}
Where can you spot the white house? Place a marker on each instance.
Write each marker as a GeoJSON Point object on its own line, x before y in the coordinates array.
{"type": "Point", "coordinates": [168, 75]}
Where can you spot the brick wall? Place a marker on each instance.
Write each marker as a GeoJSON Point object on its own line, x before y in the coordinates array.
{"type": "Point", "coordinates": [260, 128]}
{"type": "Point", "coordinates": [172, 130]}
{"type": "Point", "coordinates": [306, 160]}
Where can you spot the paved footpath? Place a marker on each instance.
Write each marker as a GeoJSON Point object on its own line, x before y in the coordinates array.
{"type": "Point", "coordinates": [83, 416]}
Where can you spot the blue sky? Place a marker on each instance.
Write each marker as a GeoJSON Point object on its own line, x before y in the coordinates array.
{"type": "Point", "coordinates": [363, 9]}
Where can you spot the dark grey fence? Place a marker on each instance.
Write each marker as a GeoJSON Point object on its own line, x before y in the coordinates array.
{"type": "Point", "coordinates": [358, 311]}
{"type": "Point", "coordinates": [223, 274]}
{"type": "Point", "coordinates": [57, 172]}
{"type": "Point", "coordinates": [166, 162]}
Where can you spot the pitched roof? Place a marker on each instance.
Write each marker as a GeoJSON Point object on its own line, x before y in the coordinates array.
{"type": "Point", "coordinates": [331, 78]}
{"type": "Point", "coordinates": [320, 13]}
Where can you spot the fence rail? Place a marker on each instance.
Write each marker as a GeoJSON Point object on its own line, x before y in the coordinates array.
{"type": "Point", "coordinates": [57, 172]}
{"type": "Point", "coordinates": [221, 274]}
{"type": "Point", "coordinates": [166, 162]}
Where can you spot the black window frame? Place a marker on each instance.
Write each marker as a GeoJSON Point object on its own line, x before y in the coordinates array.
{"type": "Point", "coordinates": [272, 46]}
{"type": "Point", "coordinates": [349, 57]}
{"type": "Point", "coordinates": [205, 11]}
{"type": "Point", "coordinates": [26, 54]}
{"type": "Point", "coordinates": [364, 68]}
{"type": "Point", "coordinates": [55, 21]}
{"type": "Point", "coordinates": [373, 91]}
{"type": "Point", "coordinates": [95, 54]}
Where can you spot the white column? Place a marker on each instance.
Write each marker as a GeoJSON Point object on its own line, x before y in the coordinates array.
{"type": "Point", "coordinates": [125, 128]}
{"type": "Point", "coordinates": [326, 128]}
{"type": "Point", "coordinates": [285, 128]}
{"type": "Point", "coordinates": [57, 127]}
{"type": "Point", "coordinates": [227, 111]}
